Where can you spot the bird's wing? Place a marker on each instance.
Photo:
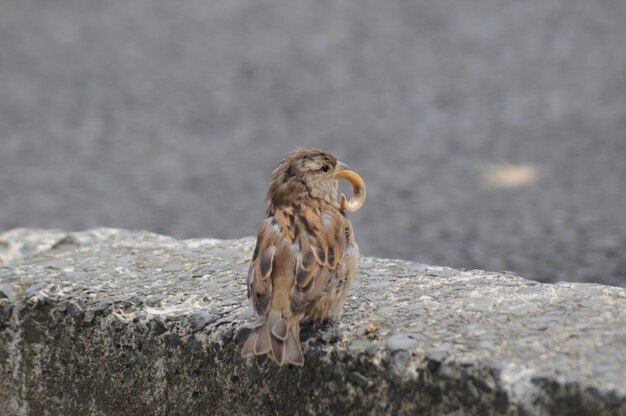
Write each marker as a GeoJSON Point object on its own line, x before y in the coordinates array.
{"type": "Point", "coordinates": [322, 244]}
{"type": "Point", "coordinates": [260, 271]}
{"type": "Point", "coordinates": [297, 250]}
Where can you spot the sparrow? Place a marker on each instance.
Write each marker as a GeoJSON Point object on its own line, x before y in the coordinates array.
{"type": "Point", "coordinates": [306, 256]}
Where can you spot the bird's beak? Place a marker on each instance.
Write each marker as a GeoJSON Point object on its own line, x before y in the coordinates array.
{"type": "Point", "coordinates": [343, 171]}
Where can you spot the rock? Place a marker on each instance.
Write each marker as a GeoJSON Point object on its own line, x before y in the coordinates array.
{"type": "Point", "coordinates": [358, 379]}
{"type": "Point", "coordinates": [401, 342]}
{"type": "Point", "coordinates": [150, 337]}
{"type": "Point", "coordinates": [200, 319]}
{"type": "Point", "coordinates": [6, 291]}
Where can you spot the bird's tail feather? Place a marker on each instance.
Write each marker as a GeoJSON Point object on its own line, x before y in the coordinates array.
{"type": "Point", "coordinates": [278, 338]}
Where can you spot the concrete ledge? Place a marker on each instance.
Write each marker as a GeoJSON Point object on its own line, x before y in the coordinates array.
{"type": "Point", "coordinates": [113, 322]}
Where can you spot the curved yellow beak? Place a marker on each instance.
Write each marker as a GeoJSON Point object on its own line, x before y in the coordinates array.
{"type": "Point", "coordinates": [343, 171]}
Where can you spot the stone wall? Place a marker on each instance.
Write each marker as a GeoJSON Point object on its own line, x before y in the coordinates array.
{"type": "Point", "coordinates": [113, 322]}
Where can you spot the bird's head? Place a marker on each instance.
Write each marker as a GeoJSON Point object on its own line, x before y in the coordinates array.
{"type": "Point", "coordinates": [308, 172]}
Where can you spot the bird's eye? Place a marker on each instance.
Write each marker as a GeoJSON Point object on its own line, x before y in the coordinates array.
{"type": "Point", "coordinates": [325, 168]}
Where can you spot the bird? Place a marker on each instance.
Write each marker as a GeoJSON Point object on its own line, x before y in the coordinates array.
{"type": "Point", "coordinates": [306, 255]}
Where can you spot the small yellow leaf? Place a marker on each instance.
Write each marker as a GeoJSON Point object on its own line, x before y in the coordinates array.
{"type": "Point", "coordinates": [510, 176]}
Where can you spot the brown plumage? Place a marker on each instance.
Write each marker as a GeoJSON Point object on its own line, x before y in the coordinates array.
{"type": "Point", "coordinates": [305, 257]}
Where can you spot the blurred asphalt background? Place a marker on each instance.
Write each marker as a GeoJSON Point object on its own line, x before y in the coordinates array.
{"type": "Point", "coordinates": [491, 134]}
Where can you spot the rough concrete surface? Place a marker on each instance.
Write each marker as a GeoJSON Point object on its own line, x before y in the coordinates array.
{"type": "Point", "coordinates": [491, 133]}
{"type": "Point", "coordinates": [113, 322]}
